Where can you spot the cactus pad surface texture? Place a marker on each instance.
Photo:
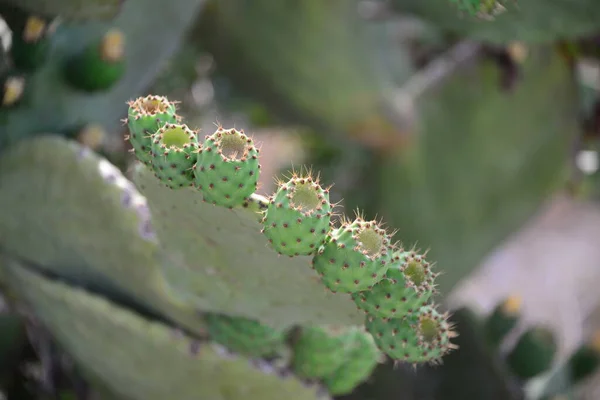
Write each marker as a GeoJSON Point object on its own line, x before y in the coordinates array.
{"type": "Point", "coordinates": [119, 269]}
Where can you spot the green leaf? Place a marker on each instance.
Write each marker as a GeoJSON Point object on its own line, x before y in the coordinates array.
{"type": "Point", "coordinates": [310, 60]}
{"type": "Point", "coordinates": [140, 359]}
{"type": "Point", "coordinates": [524, 20]}
{"type": "Point", "coordinates": [71, 9]}
{"type": "Point", "coordinates": [483, 160]}
{"type": "Point", "coordinates": [218, 260]}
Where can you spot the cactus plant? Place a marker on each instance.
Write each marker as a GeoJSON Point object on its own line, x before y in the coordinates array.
{"type": "Point", "coordinates": [163, 280]}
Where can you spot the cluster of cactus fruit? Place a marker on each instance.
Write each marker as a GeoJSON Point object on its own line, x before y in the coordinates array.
{"type": "Point", "coordinates": [393, 286]}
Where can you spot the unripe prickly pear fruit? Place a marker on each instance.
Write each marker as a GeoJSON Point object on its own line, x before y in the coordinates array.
{"type": "Point", "coordinates": [419, 338]}
{"type": "Point", "coordinates": [355, 256]}
{"type": "Point", "coordinates": [298, 217]}
{"type": "Point", "coordinates": [174, 150]}
{"type": "Point", "coordinates": [361, 359]}
{"type": "Point", "coordinates": [318, 351]}
{"type": "Point", "coordinates": [585, 360]}
{"type": "Point", "coordinates": [408, 285]}
{"type": "Point", "coordinates": [502, 320]}
{"type": "Point", "coordinates": [533, 354]}
{"type": "Point", "coordinates": [227, 169]}
{"type": "Point", "coordinates": [145, 116]}
{"type": "Point", "coordinates": [244, 336]}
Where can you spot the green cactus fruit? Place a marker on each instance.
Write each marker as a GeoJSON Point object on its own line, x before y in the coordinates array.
{"type": "Point", "coordinates": [244, 336]}
{"type": "Point", "coordinates": [483, 9]}
{"type": "Point", "coordinates": [318, 351]}
{"type": "Point", "coordinates": [585, 361]}
{"type": "Point", "coordinates": [361, 359]}
{"type": "Point", "coordinates": [533, 354]}
{"type": "Point", "coordinates": [502, 320]}
{"type": "Point", "coordinates": [298, 217]}
{"type": "Point", "coordinates": [423, 337]}
{"type": "Point", "coordinates": [145, 116]}
{"type": "Point", "coordinates": [30, 38]}
{"type": "Point", "coordinates": [174, 149]}
{"type": "Point", "coordinates": [355, 256]}
{"type": "Point", "coordinates": [100, 65]}
{"type": "Point", "coordinates": [407, 286]}
{"type": "Point", "coordinates": [227, 169]}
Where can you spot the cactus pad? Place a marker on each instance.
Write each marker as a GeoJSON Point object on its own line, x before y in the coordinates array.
{"type": "Point", "coordinates": [362, 358]}
{"type": "Point", "coordinates": [298, 217]}
{"type": "Point", "coordinates": [145, 116]}
{"type": "Point", "coordinates": [244, 335]}
{"type": "Point", "coordinates": [355, 256]}
{"type": "Point", "coordinates": [141, 359]}
{"type": "Point", "coordinates": [174, 149]}
{"type": "Point", "coordinates": [419, 338]}
{"type": "Point", "coordinates": [320, 350]}
{"type": "Point", "coordinates": [227, 169]}
{"type": "Point", "coordinates": [407, 286]}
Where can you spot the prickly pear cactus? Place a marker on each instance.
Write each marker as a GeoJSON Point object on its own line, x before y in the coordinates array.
{"type": "Point", "coordinates": [171, 254]}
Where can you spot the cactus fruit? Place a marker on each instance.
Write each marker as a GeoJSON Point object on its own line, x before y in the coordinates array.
{"type": "Point", "coordinates": [227, 169]}
{"type": "Point", "coordinates": [174, 149]}
{"type": "Point", "coordinates": [298, 217]}
{"type": "Point", "coordinates": [483, 9]}
{"type": "Point", "coordinates": [99, 66]}
{"type": "Point", "coordinates": [244, 336]}
{"type": "Point", "coordinates": [145, 116]}
{"type": "Point", "coordinates": [355, 256]}
{"type": "Point", "coordinates": [361, 359]}
{"type": "Point", "coordinates": [405, 288]}
{"type": "Point", "coordinates": [533, 353]}
{"type": "Point", "coordinates": [585, 361]}
{"type": "Point", "coordinates": [418, 338]}
{"type": "Point", "coordinates": [502, 320]}
{"type": "Point", "coordinates": [320, 350]}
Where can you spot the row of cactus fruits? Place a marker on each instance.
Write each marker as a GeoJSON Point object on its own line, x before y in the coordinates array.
{"type": "Point", "coordinates": [393, 286]}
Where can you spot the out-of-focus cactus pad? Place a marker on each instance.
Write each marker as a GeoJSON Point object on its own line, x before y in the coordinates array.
{"type": "Point", "coordinates": [217, 259]}
{"type": "Point", "coordinates": [143, 360]}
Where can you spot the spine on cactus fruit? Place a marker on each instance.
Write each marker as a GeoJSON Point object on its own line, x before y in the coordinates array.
{"type": "Point", "coordinates": [298, 217]}
{"type": "Point", "coordinates": [423, 337]}
{"type": "Point", "coordinates": [244, 336]}
{"type": "Point", "coordinates": [145, 116]}
{"type": "Point", "coordinates": [30, 38]}
{"type": "Point", "coordinates": [318, 351]}
{"type": "Point", "coordinates": [355, 256]}
{"type": "Point", "coordinates": [533, 354]}
{"type": "Point", "coordinates": [227, 169]}
{"type": "Point", "coordinates": [502, 320]}
{"type": "Point", "coordinates": [408, 285]}
{"type": "Point", "coordinates": [174, 149]}
{"type": "Point", "coordinates": [100, 65]}
{"type": "Point", "coordinates": [13, 88]}
{"type": "Point", "coordinates": [585, 360]}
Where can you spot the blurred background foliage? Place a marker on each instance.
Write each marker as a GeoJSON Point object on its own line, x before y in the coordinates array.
{"type": "Point", "coordinates": [451, 128]}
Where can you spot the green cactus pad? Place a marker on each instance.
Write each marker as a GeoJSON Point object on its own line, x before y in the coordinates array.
{"type": "Point", "coordinates": [99, 66]}
{"type": "Point", "coordinates": [298, 217]}
{"type": "Point", "coordinates": [78, 217]}
{"type": "Point", "coordinates": [533, 354]}
{"type": "Point", "coordinates": [320, 350]}
{"type": "Point", "coordinates": [174, 151]}
{"type": "Point", "coordinates": [244, 335]}
{"type": "Point", "coordinates": [361, 359]}
{"type": "Point", "coordinates": [216, 260]}
{"type": "Point", "coordinates": [140, 359]}
{"type": "Point", "coordinates": [423, 337]}
{"type": "Point", "coordinates": [227, 170]}
{"type": "Point", "coordinates": [145, 116]}
{"type": "Point", "coordinates": [355, 256]}
{"type": "Point", "coordinates": [408, 285]}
